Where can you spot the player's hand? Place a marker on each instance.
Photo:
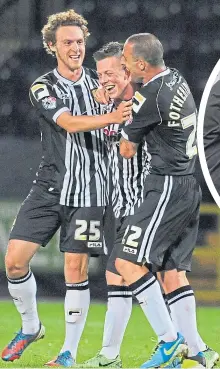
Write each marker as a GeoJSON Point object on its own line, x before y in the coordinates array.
{"type": "Point", "coordinates": [123, 112]}
{"type": "Point", "coordinates": [101, 96]}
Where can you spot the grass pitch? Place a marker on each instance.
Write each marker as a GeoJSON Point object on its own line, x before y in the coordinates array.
{"type": "Point", "coordinates": [136, 347]}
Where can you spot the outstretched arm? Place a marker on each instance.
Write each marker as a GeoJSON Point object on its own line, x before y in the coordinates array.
{"type": "Point", "coordinates": [46, 101]}
{"type": "Point", "coordinates": [84, 123]}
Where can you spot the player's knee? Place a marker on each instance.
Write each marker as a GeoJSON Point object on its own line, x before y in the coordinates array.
{"type": "Point", "coordinates": [14, 267]}
{"type": "Point", "coordinates": [174, 280]}
{"type": "Point", "coordinates": [75, 273]}
{"type": "Point", "coordinates": [76, 268]}
{"type": "Point", "coordinates": [18, 256]}
{"type": "Point", "coordinates": [182, 278]}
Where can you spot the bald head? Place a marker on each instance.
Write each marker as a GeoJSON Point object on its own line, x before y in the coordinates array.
{"type": "Point", "coordinates": [147, 47]}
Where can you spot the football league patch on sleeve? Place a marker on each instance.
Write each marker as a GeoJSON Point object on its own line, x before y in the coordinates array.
{"type": "Point", "coordinates": [49, 103]}
{"type": "Point", "coordinates": [138, 101]}
{"type": "Point", "coordinates": [40, 91]}
{"type": "Point", "coordinates": [94, 92]}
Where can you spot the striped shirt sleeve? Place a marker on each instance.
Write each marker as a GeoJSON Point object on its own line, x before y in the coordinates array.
{"type": "Point", "coordinates": [46, 101]}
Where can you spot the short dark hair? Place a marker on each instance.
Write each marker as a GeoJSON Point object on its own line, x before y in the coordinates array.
{"type": "Point", "coordinates": [108, 50]}
{"type": "Point", "coordinates": [148, 47]}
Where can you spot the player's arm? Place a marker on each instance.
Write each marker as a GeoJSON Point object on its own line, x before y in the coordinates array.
{"type": "Point", "coordinates": [146, 116]}
{"type": "Point", "coordinates": [84, 123]}
{"type": "Point", "coordinates": [45, 99]}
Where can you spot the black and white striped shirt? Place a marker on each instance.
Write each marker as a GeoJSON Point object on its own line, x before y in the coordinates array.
{"type": "Point", "coordinates": [128, 175]}
{"type": "Point", "coordinates": [74, 166]}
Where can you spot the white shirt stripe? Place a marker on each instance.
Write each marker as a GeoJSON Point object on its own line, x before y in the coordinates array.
{"type": "Point", "coordinates": [155, 220]}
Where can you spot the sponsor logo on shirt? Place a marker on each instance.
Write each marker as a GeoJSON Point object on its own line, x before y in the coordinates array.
{"type": "Point", "coordinates": [49, 103]}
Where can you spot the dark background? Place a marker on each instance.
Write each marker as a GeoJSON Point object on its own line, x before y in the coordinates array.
{"type": "Point", "coordinates": [189, 31]}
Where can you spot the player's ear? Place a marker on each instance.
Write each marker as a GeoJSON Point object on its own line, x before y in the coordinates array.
{"type": "Point", "coordinates": [127, 74]}
{"type": "Point", "coordinates": [52, 47]}
{"type": "Point", "coordinates": [141, 64]}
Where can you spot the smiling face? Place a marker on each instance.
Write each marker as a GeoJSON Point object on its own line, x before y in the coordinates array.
{"type": "Point", "coordinates": [69, 49]}
{"type": "Point", "coordinates": [112, 76]}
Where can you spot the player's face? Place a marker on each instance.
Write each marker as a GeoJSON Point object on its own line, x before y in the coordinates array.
{"type": "Point", "coordinates": [131, 63]}
{"type": "Point", "coordinates": [69, 48]}
{"type": "Point", "coordinates": [112, 76]}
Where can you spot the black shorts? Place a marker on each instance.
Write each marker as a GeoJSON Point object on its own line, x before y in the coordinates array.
{"type": "Point", "coordinates": [115, 226]}
{"type": "Point", "coordinates": [163, 230]}
{"type": "Point", "coordinates": [41, 215]}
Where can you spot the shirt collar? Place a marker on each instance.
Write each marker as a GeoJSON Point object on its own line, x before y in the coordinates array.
{"type": "Point", "coordinates": [161, 74]}
{"type": "Point", "coordinates": [68, 81]}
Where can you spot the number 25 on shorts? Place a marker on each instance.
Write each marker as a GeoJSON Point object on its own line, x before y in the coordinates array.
{"type": "Point", "coordinates": [92, 227]}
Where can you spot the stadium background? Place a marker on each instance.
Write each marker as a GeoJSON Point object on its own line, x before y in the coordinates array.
{"type": "Point", "coordinates": [190, 34]}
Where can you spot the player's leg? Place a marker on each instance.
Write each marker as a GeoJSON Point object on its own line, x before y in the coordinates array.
{"type": "Point", "coordinates": [211, 356]}
{"type": "Point", "coordinates": [160, 280]}
{"type": "Point", "coordinates": [22, 288]}
{"type": "Point", "coordinates": [81, 234]}
{"type": "Point", "coordinates": [182, 305]}
{"type": "Point", "coordinates": [76, 306]}
{"type": "Point", "coordinates": [181, 300]}
{"type": "Point", "coordinates": [119, 305]}
{"type": "Point", "coordinates": [35, 224]}
{"type": "Point", "coordinates": [182, 281]}
{"type": "Point", "coordinates": [118, 313]}
{"type": "Point", "coordinates": [21, 282]}
{"type": "Point", "coordinates": [116, 319]}
{"type": "Point", "coordinates": [147, 291]}
{"type": "Point", "coordinates": [139, 240]}
{"type": "Point", "coordinates": [179, 293]}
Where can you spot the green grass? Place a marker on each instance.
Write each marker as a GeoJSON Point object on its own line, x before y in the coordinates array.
{"type": "Point", "coordinates": [137, 343]}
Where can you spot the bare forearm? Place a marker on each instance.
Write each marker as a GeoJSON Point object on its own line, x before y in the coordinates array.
{"type": "Point", "coordinates": [90, 123]}
{"type": "Point", "coordinates": [84, 123]}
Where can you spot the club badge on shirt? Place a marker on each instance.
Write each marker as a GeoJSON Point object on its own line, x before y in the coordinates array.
{"type": "Point", "coordinates": [49, 102]}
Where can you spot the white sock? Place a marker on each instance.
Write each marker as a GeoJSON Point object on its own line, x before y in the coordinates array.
{"type": "Point", "coordinates": [183, 312]}
{"type": "Point", "coordinates": [23, 291]}
{"type": "Point", "coordinates": [202, 345]}
{"type": "Point", "coordinates": [116, 320]}
{"type": "Point", "coordinates": [148, 293]}
{"type": "Point", "coordinates": [76, 307]}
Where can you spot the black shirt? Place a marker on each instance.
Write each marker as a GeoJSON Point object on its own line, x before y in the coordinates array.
{"type": "Point", "coordinates": [211, 134]}
{"type": "Point", "coordinates": [164, 112]}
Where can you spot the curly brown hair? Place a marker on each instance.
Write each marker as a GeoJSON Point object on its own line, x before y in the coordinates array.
{"type": "Point", "coordinates": [68, 18]}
